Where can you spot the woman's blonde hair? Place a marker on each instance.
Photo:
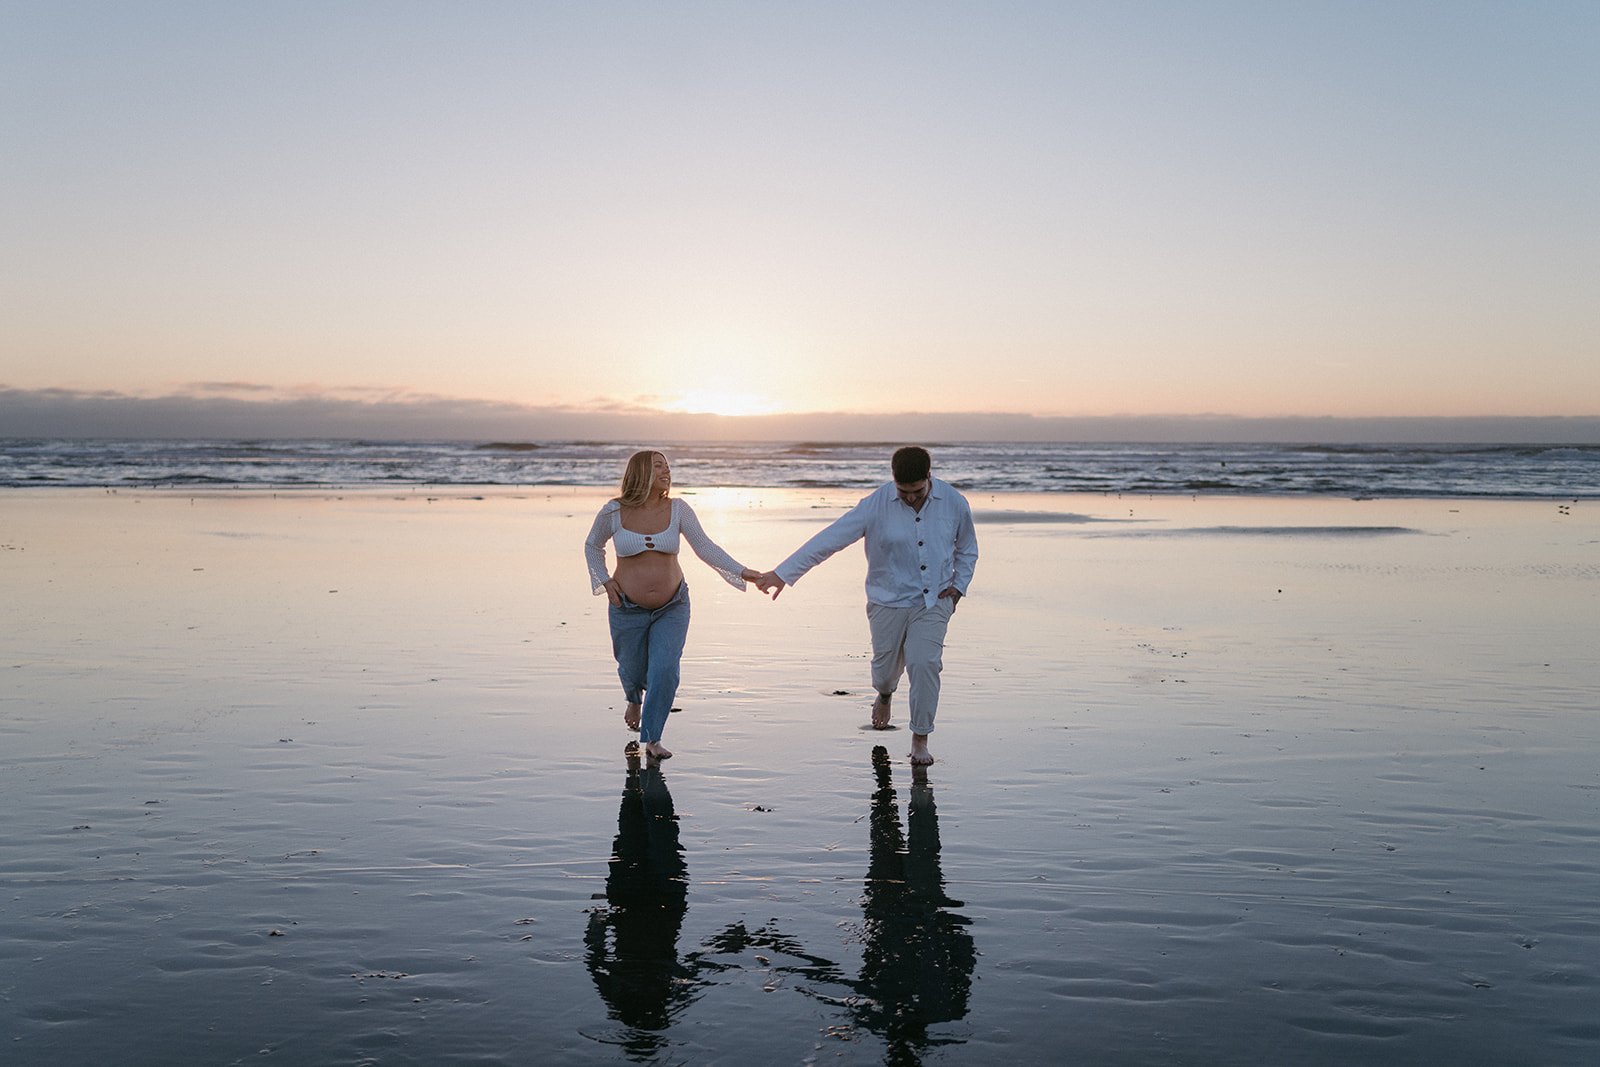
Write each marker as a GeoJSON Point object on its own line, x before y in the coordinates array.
{"type": "Point", "coordinates": [639, 478]}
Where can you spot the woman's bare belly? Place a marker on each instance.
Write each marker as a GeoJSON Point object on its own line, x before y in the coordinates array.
{"type": "Point", "coordinates": [649, 579]}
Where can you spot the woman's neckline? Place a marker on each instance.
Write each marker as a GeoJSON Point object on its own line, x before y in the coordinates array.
{"type": "Point", "coordinates": [623, 510]}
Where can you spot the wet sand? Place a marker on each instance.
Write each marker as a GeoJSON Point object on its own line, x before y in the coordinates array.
{"type": "Point", "coordinates": [339, 778]}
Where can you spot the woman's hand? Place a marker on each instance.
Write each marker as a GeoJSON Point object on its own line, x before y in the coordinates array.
{"type": "Point", "coordinates": [750, 574]}
{"type": "Point", "coordinates": [613, 592]}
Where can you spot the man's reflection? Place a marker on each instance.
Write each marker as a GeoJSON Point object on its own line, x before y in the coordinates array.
{"type": "Point", "coordinates": [916, 968]}
{"type": "Point", "coordinates": [633, 941]}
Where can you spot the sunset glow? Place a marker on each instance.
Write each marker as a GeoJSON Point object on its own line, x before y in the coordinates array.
{"type": "Point", "coordinates": [715, 402]}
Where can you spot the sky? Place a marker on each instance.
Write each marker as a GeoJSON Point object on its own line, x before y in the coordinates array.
{"type": "Point", "coordinates": [1057, 211]}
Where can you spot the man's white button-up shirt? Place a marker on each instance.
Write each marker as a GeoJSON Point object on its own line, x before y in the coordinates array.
{"type": "Point", "coordinates": [912, 556]}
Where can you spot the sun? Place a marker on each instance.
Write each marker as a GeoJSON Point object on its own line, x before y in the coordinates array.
{"type": "Point", "coordinates": [721, 402]}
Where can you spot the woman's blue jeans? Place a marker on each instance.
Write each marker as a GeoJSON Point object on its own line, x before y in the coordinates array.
{"type": "Point", "coordinates": [648, 643]}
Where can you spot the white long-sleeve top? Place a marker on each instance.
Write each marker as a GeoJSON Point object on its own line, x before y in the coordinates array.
{"type": "Point", "coordinates": [912, 556]}
{"type": "Point", "coordinates": [608, 527]}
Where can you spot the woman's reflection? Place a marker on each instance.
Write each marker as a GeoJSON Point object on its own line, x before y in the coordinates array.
{"type": "Point", "coordinates": [633, 941]}
{"type": "Point", "coordinates": [916, 968]}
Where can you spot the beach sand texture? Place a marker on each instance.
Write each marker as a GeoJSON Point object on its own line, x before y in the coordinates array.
{"type": "Point", "coordinates": [339, 778]}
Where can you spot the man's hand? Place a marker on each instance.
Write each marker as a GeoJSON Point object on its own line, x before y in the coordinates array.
{"type": "Point", "coordinates": [769, 582]}
{"type": "Point", "coordinates": [953, 595]}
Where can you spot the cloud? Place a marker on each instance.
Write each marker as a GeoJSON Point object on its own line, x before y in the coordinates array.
{"type": "Point", "coordinates": [253, 388]}
{"type": "Point", "coordinates": [233, 410]}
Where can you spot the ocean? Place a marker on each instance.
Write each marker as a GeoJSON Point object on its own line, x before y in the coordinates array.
{"type": "Point", "coordinates": [1361, 471]}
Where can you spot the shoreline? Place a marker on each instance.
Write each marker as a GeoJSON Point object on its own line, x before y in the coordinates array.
{"type": "Point", "coordinates": [498, 489]}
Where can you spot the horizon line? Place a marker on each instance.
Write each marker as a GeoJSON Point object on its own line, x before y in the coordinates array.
{"type": "Point", "coordinates": [66, 413]}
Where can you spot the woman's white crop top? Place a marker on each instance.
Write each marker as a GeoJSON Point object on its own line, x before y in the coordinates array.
{"type": "Point", "coordinates": [608, 527]}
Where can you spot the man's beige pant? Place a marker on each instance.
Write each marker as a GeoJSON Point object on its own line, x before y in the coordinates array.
{"type": "Point", "coordinates": [910, 641]}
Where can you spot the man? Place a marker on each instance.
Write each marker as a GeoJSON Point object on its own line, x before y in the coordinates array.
{"type": "Point", "coordinates": [921, 552]}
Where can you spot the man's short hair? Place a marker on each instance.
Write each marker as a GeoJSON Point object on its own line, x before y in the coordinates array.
{"type": "Point", "coordinates": [910, 464]}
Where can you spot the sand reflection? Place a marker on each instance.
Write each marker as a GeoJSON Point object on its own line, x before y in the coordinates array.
{"type": "Point", "coordinates": [916, 968]}
{"type": "Point", "coordinates": [632, 942]}
{"type": "Point", "coordinates": [917, 955]}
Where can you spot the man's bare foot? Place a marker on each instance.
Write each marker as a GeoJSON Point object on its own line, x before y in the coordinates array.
{"type": "Point", "coordinates": [920, 756]}
{"type": "Point", "coordinates": [880, 712]}
{"type": "Point", "coordinates": [630, 716]}
{"type": "Point", "coordinates": [654, 750]}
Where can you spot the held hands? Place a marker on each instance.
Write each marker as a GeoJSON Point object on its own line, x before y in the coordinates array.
{"type": "Point", "coordinates": [766, 581]}
{"type": "Point", "coordinates": [769, 582]}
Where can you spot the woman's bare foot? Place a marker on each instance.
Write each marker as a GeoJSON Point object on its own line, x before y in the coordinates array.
{"type": "Point", "coordinates": [880, 712]}
{"type": "Point", "coordinates": [654, 750]}
{"type": "Point", "coordinates": [920, 756]}
{"type": "Point", "coordinates": [630, 717]}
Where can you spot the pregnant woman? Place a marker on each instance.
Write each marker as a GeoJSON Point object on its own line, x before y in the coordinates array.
{"type": "Point", "coordinates": [649, 598]}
